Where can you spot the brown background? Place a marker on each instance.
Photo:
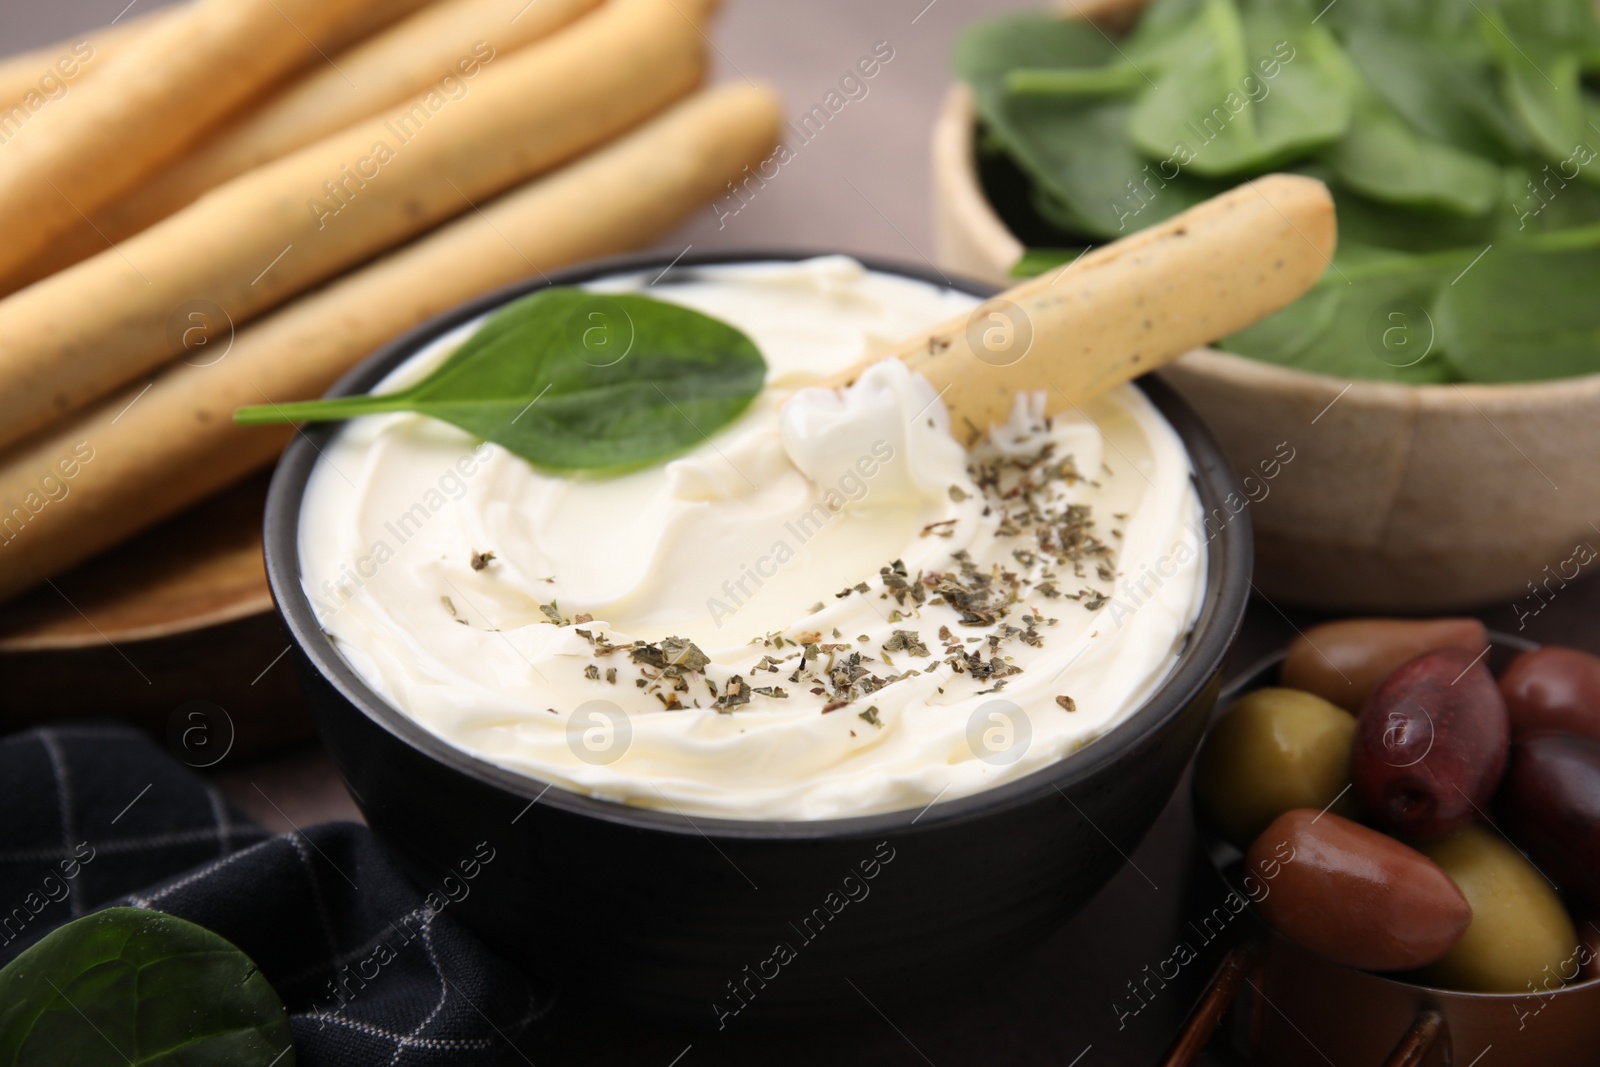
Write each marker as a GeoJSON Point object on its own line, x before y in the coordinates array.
{"type": "Point", "coordinates": [863, 186]}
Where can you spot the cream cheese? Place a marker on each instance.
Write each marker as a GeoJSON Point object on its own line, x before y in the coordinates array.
{"type": "Point", "coordinates": [829, 609]}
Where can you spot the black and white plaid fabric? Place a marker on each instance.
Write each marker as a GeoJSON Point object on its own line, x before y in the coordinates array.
{"type": "Point", "coordinates": [98, 815]}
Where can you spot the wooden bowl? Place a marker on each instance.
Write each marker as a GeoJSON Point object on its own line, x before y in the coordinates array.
{"type": "Point", "coordinates": [1399, 498]}
{"type": "Point", "coordinates": [174, 631]}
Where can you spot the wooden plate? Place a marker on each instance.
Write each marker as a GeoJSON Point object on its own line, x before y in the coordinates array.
{"type": "Point", "coordinates": [173, 624]}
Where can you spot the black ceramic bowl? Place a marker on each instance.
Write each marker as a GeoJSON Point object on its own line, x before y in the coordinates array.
{"type": "Point", "coordinates": [702, 918]}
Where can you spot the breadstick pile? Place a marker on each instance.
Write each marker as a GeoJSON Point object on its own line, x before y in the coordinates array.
{"type": "Point", "coordinates": [225, 208]}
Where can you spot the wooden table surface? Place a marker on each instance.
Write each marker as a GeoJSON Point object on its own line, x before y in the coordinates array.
{"type": "Point", "coordinates": [863, 186]}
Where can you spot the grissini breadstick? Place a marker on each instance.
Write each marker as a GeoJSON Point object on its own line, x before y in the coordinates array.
{"type": "Point", "coordinates": [33, 79]}
{"type": "Point", "coordinates": [365, 23]}
{"type": "Point", "coordinates": [1129, 307]}
{"type": "Point", "coordinates": [153, 451]}
{"type": "Point", "coordinates": [432, 48]}
{"type": "Point", "coordinates": [410, 57]}
{"type": "Point", "coordinates": [152, 100]}
{"type": "Point", "coordinates": [269, 235]}
{"type": "Point", "coordinates": [78, 57]}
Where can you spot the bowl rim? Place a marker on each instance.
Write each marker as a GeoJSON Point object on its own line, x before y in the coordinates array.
{"type": "Point", "coordinates": [1230, 558]}
{"type": "Point", "coordinates": [964, 204]}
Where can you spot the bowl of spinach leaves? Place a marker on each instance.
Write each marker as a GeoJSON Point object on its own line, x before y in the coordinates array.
{"type": "Point", "coordinates": [1440, 387]}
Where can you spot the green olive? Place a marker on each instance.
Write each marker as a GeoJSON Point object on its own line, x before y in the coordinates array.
{"type": "Point", "coordinates": [1520, 936]}
{"type": "Point", "coordinates": [1272, 751]}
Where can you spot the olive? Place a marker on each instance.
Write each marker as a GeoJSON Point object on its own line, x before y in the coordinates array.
{"type": "Point", "coordinates": [1552, 795]}
{"type": "Point", "coordinates": [1344, 661]}
{"type": "Point", "coordinates": [1553, 689]}
{"type": "Point", "coordinates": [1353, 895]}
{"type": "Point", "coordinates": [1272, 750]}
{"type": "Point", "coordinates": [1430, 745]}
{"type": "Point", "coordinates": [1520, 937]}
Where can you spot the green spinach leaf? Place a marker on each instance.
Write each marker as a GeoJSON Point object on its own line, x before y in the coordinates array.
{"type": "Point", "coordinates": [1450, 25]}
{"type": "Point", "coordinates": [1168, 31]}
{"type": "Point", "coordinates": [128, 986]}
{"type": "Point", "coordinates": [1046, 136]}
{"type": "Point", "coordinates": [1553, 197]}
{"type": "Point", "coordinates": [1163, 21]}
{"type": "Point", "coordinates": [1244, 97]}
{"type": "Point", "coordinates": [1383, 158]}
{"type": "Point", "coordinates": [1108, 192]}
{"type": "Point", "coordinates": [1524, 315]}
{"type": "Point", "coordinates": [1369, 319]}
{"type": "Point", "coordinates": [1035, 261]}
{"type": "Point", "coordinates": [577, 381]}
{"type": "Point", "coordinates": [988, 52]}
{"type": "Point", "coordinates": [1546, 98]}
{"type": "Point", "coordinates": [1440, 96]}
{"type": "Point", "coordinates": [1537, 49]}
{"type": "Point", "coordinates": [1070, 82]}
{"type": "Point", "coordinates": [1367, 222]}
{"type": "Point", "coordinates": [1548, 24]}
{"type": "Point", "coordinates": [1364, 221]}
{"type": "Point", "coordinates": [1105, 193]}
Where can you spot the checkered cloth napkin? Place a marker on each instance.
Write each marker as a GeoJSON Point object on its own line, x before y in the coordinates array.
{"type": "Point", "coordinates": [94, 815]}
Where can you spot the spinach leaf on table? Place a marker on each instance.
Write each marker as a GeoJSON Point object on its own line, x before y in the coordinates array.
{"type": "Point", "coordinates": [577, 381]}
{"type": "Point", "coordinates": [132, 986]}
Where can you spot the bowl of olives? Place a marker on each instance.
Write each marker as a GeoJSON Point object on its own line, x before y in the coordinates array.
{"type": "Point", "coordinates": [1412, 810]}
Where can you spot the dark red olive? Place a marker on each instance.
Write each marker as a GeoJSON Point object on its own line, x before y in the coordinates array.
{"type": "Point", "coordinates": [1552, 794]}
{"type": "Point", "coordinates": [1430, 745]}
{"type": "Point", "coordinates": [1353, 895]}
{"type": "Point", "coordinates": [1553, 689]}
{"type": "Point", "coordinates": [1343, 661]}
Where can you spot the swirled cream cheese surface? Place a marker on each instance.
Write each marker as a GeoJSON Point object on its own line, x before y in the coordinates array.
{"type": "Point", "coordinates": [830, 608]}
